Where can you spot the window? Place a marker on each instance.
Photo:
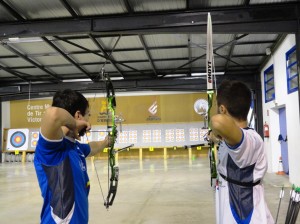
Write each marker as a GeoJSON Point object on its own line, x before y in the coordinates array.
{"type": "Point", "coordinates": [291, 70]}
{"type": "Point", "coordinates": [269, 84]}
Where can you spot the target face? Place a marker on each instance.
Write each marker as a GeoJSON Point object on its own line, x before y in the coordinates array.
{"type": "Point", "coordinates": [34, 139]}
{"type": "Point", "coordinates": [17, 139]}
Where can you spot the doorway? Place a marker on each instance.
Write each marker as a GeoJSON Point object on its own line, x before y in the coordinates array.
{"type": "Point", "coordinates": [282, 138]}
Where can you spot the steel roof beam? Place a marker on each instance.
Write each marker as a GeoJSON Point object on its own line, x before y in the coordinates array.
{"type": "Point", "coordinates": [26, 58]}
{"type": "Point", "coordinates": [107, 56]}
{"type": "Point", "coordinates": [268, 18]}
{"type": "Point", "coordinates": [110, 60]}
{"type": "Point", "coordinates": [84, 51]}
{"type": "Point", "coordinates": [67, 57]}
{"type": "Point", "coordinates": [69, 8]}
{"type": "Point", "coordinates": [136, 61]}
{"type": "Point", "coordinates": [128, 6]}
{"type": "Point", "coordinates": [12, 11]}
{"type": "Point", "coordinates": [230, 53]}
{"type": "Point", "coordinates": [190, 52]}
{"type": "Point", "coordinates": [14, 73]}
{"type": "Point", "coordinates": [181, 84]}
{"type": "Point", "coordinates": [148, 54]}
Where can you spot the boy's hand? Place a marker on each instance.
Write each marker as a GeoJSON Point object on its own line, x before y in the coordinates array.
{"type": "Point", "coordinates": [211, 137]}
{"type": "Point", "coordinates": [109, 140]}
{"type": "Point", "coordinates": [81, 127]}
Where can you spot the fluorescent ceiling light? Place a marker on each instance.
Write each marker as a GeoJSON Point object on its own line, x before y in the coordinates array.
{"type": "Point", "coordinates": [204, 73]}
{"type": "Point", "coordinates": [116, 78]}
{"type": "Point", "coordinates": [76, 80]}
{"type": "Point", "coordinates": [24, 40]}
{"type": "Point", "coordinates": [88, 80]}
{"type": "Point", "coordinates": [175, 75]}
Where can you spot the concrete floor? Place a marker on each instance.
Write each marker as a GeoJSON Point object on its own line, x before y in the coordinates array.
{"type": "Point", "coordinates": [154, 191]}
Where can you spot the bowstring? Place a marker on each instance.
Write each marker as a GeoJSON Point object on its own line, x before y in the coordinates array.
{"type": "Point", "coordinates": [96, 173]}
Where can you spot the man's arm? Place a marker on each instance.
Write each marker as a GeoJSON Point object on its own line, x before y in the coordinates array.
{"type": "Point", "coordinates": [225, 127]}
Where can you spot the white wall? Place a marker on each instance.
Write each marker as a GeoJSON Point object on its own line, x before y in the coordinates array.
{"type": "Point", "coordinates": [5, 116]}
{"type": "Point", "coordinates": [271, 114]}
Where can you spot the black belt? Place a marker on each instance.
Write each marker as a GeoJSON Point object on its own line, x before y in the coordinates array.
{"type": "Point", "coordinates": [244, 184]}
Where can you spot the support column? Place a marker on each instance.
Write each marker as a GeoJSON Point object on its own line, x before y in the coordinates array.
{"type": "Point", "coordinates": [297, 37]}
{"type": "Point", "coordinates": [1, 133]}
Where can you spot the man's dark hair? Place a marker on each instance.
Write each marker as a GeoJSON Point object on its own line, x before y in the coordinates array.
{"type": "Point", "coordinates": [236, 97]}
{"type": "Point", "coordinates": [71, 101]}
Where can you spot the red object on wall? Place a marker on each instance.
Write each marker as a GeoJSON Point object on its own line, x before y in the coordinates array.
{"type": "Point", "coordinates": [266, 130]}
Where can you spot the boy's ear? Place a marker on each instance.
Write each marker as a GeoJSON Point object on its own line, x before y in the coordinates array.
{"type": "Point", "coordinates": [222, 109]}
{"type": "Point", "coordinates": [77, 114]}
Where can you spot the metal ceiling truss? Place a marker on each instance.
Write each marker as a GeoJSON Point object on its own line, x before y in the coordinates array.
{"type": "Point", "coordinates": [68, 58]}
{"type": "Point", "coordinates": [148, 54]}
{"type": "Point", "coordinates": [28, 59]}
{"type": "Point", "coordinates": [108, 57]}
{"type": "Point", "coordinates": [269, 18]}
{"type": "Point", "coordinates": [172, 84]}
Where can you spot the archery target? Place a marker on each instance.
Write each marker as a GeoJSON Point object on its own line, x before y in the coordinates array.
{"type": "Point", "coordinates": [194, 135]}
{"type": "Point", "coordinates": [180, 135]}
{"type": "Point", "coordinates": [170, 136]}
{"type": "Point", "coordinates": [123, 137]}
{"type": "Point", "coordinates": [17, 139]}
{"type": "Point", "coordinates": [156, 135]}
{"type": "Point", "coordinates": [34, 138]}
{"type": "Point", "coordinates": [133, 136]}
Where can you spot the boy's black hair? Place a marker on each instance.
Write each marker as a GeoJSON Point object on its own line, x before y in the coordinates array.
{"type": "Point", "coordinates": [236, 97]}
{"type": "Point", "coordinates": [71, 101]}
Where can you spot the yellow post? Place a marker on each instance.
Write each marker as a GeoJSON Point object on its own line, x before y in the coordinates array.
{"type": "Point", "coordinates": [165, 153]}
{"type": "Point", "coordinates": [141, 154]}
{"type": "Point", "coordinates": [190, 153]}
{"type": "Point", "coordinates": [23, 157]}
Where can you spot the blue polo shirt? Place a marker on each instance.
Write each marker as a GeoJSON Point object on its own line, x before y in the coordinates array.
{"type": "Point", "coordinates": [62, 175]}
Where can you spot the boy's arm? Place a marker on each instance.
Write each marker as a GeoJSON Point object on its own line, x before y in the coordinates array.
{"type": "Point", "coordinates": [98, 146]}
{"type": "Point", "coordinates": [225, 127]}
{"type": "Point", "coordinates": [54, 119]}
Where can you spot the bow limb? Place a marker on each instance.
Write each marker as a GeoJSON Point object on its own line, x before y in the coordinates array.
{"type": "Point", "coordinates": [210, 94]}
{"type": "Point", "coordinates": [212, 148]}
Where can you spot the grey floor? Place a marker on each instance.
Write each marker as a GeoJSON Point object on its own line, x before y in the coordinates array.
{"type": "Point", "coordinates": [153, 191]}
